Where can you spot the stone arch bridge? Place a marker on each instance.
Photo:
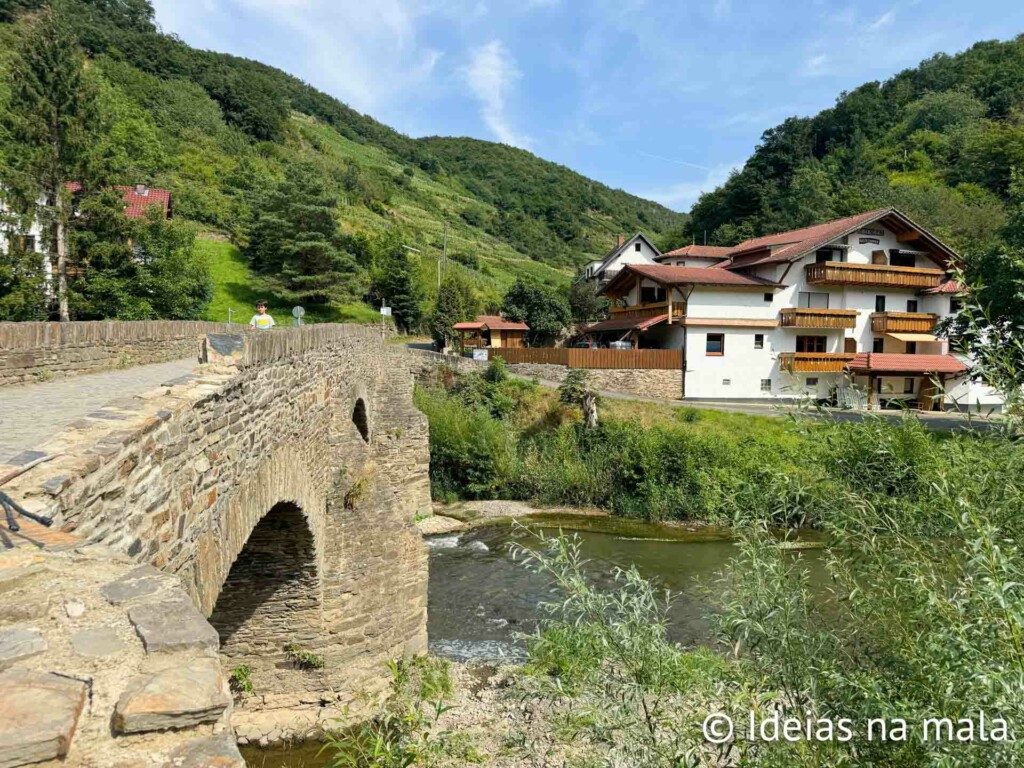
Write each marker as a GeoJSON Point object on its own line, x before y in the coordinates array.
{"type": "Point", "coordinates": [253, 516]}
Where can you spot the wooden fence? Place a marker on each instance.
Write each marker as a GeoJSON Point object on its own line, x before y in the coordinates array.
{"type": "Point", "coordinates": [636, 359]}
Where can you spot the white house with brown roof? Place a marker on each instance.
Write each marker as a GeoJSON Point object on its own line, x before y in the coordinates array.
{"type": "Point", "coordinates": [843, 311]}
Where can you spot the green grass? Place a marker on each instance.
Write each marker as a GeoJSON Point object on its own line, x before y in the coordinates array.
{"type": "Point", "coordinates": [234, 287]}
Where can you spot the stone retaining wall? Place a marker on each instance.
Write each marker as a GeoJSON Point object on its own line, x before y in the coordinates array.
{"type": "Point", "coordinates": [663, 384]}
{"type": "Point", "coordinates": [304, 439]}
{"type": "Point", "coordinates": [41, 351]}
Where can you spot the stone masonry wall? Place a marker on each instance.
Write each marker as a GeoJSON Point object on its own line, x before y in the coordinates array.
{"type": "Point", "coordinates": [663, 384]}
{"type": "Point", "coordinates": [180, 477]}
{"type": "Point", "coordinates": [40, 351]}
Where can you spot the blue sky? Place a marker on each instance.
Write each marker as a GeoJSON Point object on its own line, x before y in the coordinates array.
{"type": "Point", "coordinates": [659, 98]}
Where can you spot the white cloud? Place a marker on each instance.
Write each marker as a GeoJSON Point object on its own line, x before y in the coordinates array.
{"type": "Point", "coordinates": [815, 65]}
{"type": "Point", "coordinates": [885, 20]}
{"type": "Point", "coordinates": [367, 54]}
{"type": "Point", "coordinates": [683, 195]}
{"type": "Point", "coordinates": [491, 73]}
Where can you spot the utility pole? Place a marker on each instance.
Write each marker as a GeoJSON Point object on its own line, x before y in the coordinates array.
{"type": "Point", "coordinates": [444, 246]}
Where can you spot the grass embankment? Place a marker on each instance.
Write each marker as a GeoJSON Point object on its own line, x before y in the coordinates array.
{"type": "Point", "coordinates": [235, 287]}
{"type": "Point", "coordinates": [496, 437]}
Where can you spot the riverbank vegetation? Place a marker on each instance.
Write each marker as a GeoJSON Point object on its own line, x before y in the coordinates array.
{"type": "Point", "coordinates": [493, 436]}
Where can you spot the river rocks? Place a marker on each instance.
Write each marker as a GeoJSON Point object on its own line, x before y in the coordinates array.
{"type": "Point", "coordinates": [213, 752]}
{"type": "Point", "coordinates": [144, 581]}
{"type": "Point", "coordinates": [96, 642]}
{"type": "Point", "coordinates": [173, 625]}
{"type": "Point", "coordinates": [19, 643]}
{"type": "Point", "coordinates": [38, 716]}
{"type": "Point", "coordinates": [180, 696]}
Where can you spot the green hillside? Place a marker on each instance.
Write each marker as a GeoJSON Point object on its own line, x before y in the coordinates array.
{"type": "Point", "coordinates": [220, 131]}
{"type": "Point", "coordinates": [943, 141]}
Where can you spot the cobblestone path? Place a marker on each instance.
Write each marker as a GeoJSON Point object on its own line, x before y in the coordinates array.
{"type": "Point", "coordinates": [33, 412]}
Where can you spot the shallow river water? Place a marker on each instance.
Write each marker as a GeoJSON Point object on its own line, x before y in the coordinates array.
{"type": "Point", "coordinates": [480, 598]}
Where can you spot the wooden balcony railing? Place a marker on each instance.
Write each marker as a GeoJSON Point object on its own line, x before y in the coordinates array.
{"type": "Point", "coordinates": [903, 322]}
{"type": "Point", "coordinates": [814, 362]}
{"type": "Point", "coordinates": [818, 318]}
{"type": "Point", "coordinates": [841, 273]}
{"type": "Point", "coordinates": [641, 311]}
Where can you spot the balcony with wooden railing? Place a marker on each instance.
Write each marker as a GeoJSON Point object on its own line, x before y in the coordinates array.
{"type": "Point", "coordinates": [903, 322]}
{"type": "Point", "coordinates": [651, 309]}
{"type": "Point", "coordinates": [880, 275]}
{"type": "Point", "coordinates": [814, 362]}
{"type": "Point", "coordinates": [817, 318]}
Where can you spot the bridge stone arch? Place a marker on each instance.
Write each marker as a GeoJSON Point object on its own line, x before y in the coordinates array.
{"type": "Point", "coordinates": [203, 477]}
{"type": "Point", "coordinates": [282, 478]}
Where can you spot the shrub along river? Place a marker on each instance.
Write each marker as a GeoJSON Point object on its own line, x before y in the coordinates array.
{"type": "Point", "coordinates": [481, 599]}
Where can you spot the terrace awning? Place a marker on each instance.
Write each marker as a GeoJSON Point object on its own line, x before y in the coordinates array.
{"type": "Point", "coordinates": [913, 336]}
{"type": "Point", "coordinates": [626, 324]}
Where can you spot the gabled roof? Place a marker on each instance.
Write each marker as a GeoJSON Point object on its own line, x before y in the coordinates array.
{"type": "Point", "coordinates": [140, 198]}
{"type": "Point", "coordinates": [137, 199]}
{"type": "Point", "coordinates": [879, 362]}
{"type": "Point", "coordinates": [669, 275]}
{"type": "Point", "coordinates": [610, 256]}
{"type": "Point", "coordinates": [796, 243]}
{"type": "Point", "coordinates": [492, 323]}
{"type": "Point", "coordinates": [700, 252]}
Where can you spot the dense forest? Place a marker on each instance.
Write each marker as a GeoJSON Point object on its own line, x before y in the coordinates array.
{"type": "Point", "coordinates": [220, 132]}
{"type": "Point", "coordinates": [942, 141]}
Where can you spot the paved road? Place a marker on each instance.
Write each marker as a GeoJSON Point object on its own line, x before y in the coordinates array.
{"type": "Point", "coordinates": [33, 412]}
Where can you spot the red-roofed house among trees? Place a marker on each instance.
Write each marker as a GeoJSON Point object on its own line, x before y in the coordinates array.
{"type": "Point", "coordinates": [491, 331]}
{"type": "Point", "coordinates": [139, 199]}
{"type": "Point", "coordinates": [844, 311]}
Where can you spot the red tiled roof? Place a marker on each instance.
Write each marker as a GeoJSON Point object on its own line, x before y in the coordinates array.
{"type": "Point", "coordinates": [791, 245]}
{"type": "Point", "coordinates": [491, 322]}
{"type": "Point", "coordinates": [950, 286]}
{"type": "Point", "coordinates": [137, 199]}
{"type": "Point", "coordinates": [626, 324]}
{"type": "Point", "coordinates": [883, 362]}
{"type": "Point", "coordinates": [669, 275]}
{"type": "Point", "coordinates": [701, 251]}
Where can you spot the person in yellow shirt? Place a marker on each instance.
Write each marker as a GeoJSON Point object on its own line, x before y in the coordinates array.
{"type": "Point", "coordinates": [261, 321]}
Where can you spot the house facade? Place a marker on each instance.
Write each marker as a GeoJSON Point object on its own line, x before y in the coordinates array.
{"type": "Point", "coordinates": [843, 311]}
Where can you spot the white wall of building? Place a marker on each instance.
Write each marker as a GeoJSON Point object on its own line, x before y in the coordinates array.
{"type": "Point", "coordinates": [745, 367]}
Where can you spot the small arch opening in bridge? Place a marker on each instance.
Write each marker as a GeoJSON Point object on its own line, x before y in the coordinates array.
{"type": "Point", "coordinates": [271, 597]}
{"type": "Point", "coordinates": [360, 419]}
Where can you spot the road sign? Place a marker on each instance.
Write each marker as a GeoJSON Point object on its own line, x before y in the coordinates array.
{"type": "Point", "coordinates": [298, 312]}
{"type": "Point", "coordinates": [385, 311]}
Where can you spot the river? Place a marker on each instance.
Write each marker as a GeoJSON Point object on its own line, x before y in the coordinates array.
{"type": "Point", "coordinates": [480, 599]}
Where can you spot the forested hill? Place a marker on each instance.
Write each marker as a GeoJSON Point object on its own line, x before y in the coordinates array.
{"type": "Point", "coordinates": [940, 141]}
{"type": "Point", "coordinates": [219, 131]}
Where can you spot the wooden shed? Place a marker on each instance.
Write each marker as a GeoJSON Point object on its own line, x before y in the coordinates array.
{"type": "Point", "coordinates": [491, 331]}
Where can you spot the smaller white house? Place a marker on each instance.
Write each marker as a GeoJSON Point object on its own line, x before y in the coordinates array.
{"type": "Point", "coordinates": [636, 250]}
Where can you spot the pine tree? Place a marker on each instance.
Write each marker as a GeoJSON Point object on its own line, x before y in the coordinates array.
{"type": "Point", "coordinates": [295, 241]}
{"type": "Point", "coordinates": [395, 284]}
{"type": "Point", "coordinates": [455, 303]}
{"type": "Point", "coordinates": [49, 116]}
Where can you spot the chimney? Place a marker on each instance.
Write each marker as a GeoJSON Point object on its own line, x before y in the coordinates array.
{"type": "Point", "coordinates": [622, 240]}
{"type": "Point", "coordinates": [142, 190]}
